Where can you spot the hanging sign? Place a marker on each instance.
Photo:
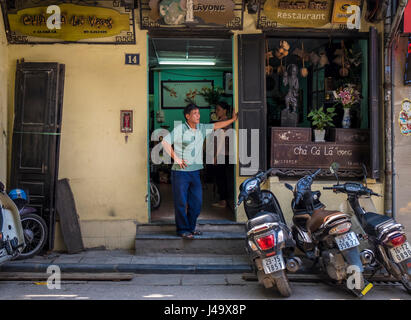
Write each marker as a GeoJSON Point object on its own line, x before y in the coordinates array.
{"type": "Point", "coordinates": [300, 13]}
{"type": "Point", "coordinates": [76, 24]}
{"type": "Point", "coordinates": [407, 18]}
{"type": "Point", "coordinates": [227, 14]}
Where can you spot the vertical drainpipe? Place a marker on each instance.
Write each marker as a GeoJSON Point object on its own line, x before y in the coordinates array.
{"type": "Point", "coordinates": [390, 29]}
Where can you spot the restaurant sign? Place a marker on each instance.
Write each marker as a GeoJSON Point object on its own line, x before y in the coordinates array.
{"type": "Point", "coordinates": [177, 14]}
{"type": "Point", "coordinates": [300, 13]}
{"type": "Point", "coordinates": [76, 23]}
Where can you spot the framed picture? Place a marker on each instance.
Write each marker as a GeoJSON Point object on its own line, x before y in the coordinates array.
{"type": "Point", "coordinates": [228, 83]}
{"type": "Point", "coordinates": [178, 94]}
{"type": "Point", "coordinates": [126, 121]}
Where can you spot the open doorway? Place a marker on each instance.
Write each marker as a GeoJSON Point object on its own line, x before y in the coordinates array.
{"type": "Point", "coordinates": [179, 70]}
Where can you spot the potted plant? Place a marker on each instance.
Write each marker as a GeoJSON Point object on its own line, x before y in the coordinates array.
{"type": "Point", "coordinates": [347, 96]}
{"type": "Point", "coordinates": [212, 96]}
{"type": "Point", "coordinates": [320, 120]}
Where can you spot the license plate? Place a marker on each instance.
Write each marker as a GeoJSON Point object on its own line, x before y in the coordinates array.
{"type": "Point", "coordinates": [401, 253]}
{"type": "Point", "coordinates": [273, 264]}
{"type": "Point", "coordinates": [347, 241]}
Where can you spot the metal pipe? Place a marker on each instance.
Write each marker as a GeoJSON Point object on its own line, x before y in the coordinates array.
{"type": "Point", "coordinates": [391, 29]}
{"type": "Point", "coordinates": [394, 171]}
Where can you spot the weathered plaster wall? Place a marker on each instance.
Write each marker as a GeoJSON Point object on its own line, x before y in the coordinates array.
{"type": "Point", "coordinates": [3, 102]}
{"type": "Point", "coordinates": [402, 146]}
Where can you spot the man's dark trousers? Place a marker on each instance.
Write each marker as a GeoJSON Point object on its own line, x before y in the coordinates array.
{"type": "Point", "coordinates": [187, 193]}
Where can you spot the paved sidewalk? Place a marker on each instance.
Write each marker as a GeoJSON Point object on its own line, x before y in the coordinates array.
{"type": "Point", "coordinates": [127, 261]}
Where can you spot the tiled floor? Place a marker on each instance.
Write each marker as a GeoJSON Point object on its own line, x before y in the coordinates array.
{"type": "Point", "coordinates": [166, 210]}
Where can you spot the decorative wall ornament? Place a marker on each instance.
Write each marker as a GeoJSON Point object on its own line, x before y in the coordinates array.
{"type": "Point", "coordinates": [404, 118]}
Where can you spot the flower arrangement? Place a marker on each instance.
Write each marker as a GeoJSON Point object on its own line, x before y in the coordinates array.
{"type": "Point", "coordinates": [211, 95]}
{"type": "Point", "coordinates": [347, 96]}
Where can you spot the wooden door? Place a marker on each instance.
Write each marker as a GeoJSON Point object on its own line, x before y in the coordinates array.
{"type": "Point", "coordinates": [252, 98]}
{"type": "Point", "coordinates": [36, 135]}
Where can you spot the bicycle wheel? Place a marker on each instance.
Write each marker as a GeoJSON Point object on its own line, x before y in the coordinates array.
{"type": "Point", "coordinates": [155, 196]}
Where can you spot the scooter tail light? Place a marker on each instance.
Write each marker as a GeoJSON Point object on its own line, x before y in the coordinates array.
{"type": "Point", "coordinates": [266, 242]}
{"type": "Point", "coordinates": [397, 240]}
{"type": "Point", "coordinates": [341, 228]}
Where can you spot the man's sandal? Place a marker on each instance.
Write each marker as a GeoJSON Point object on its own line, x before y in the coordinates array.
{"type": "Point", "coordinates": [187, 236]}
{"type": "Point", "coordinates": [197, 233]}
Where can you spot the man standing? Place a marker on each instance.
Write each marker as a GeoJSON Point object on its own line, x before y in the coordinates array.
{"type": "Point", "coordinates": [188, 139]}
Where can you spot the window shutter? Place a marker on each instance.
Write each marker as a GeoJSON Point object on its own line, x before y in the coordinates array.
{"type": "Point", "coordinates": [374, 103]}
{"type": "Point", "coordinates": [252, 100]}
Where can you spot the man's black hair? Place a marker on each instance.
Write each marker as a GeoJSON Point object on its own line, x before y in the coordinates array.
{"type": "Point", "coordinates": [189, 108]}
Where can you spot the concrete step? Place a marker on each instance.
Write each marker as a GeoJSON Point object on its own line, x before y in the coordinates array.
{"type": "Point", "coordinates": [202, 225]}
{"type": "Point", "coordinates": [229, 243]}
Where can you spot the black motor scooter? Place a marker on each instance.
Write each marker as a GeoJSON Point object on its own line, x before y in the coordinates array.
{"type": "Point", "coordinates": [326, 237]}
{"type": "Point", "coordinates": [388, 245]}
{"type": "Point", "coordinates": [269, 241]}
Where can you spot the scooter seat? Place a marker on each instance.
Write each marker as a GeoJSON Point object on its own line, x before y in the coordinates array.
{"type": "Point", "coordinates": [371, 220]}
{"type": "Point", "coordinates": [261, 218]}
{"type": "Point", "coordinates": [319, 217]}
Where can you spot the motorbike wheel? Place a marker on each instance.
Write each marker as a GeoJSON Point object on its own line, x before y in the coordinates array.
{"type": "Point", "coordinates": [406, 283]}
{"type": "Point", "coordinates": [283, 285]}
{"type": "Point", "coordinates": [35, 235]}
{"type": "Point", "coordinates": [155, 196]}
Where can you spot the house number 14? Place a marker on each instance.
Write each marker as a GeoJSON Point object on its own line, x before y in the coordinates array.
{"type": "Point", "coordinates": [133, 59]}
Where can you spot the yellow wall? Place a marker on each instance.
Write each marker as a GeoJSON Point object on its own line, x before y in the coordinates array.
{"type": "Point", "coordinates": [108, 176]}
{"type": "Point", "coordinates": [3, 102]}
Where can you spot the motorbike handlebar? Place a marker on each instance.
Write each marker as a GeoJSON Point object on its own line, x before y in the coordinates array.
{"type": "Point", "coordinates": [315, 173]}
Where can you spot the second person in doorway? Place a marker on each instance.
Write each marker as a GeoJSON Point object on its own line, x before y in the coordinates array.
{"type": "Point", "coordinates": [221, 144]}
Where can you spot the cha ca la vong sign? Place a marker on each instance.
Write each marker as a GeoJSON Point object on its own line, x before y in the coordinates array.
{"type": "Point", "coordinates": [300, 13]}
{"type": "Point", "coordinates": [178, 13]}
{"type": "Point", "coordinates": [77, 23]}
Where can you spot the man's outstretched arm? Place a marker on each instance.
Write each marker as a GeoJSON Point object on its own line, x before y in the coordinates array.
{"type": "Point", "coordinates": [169, 149]}
{"type": "Point", "coordinates": [223, 124]}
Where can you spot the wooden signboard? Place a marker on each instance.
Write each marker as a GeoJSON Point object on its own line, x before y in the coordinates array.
{"type": "Point", "coordinates": [198, 14]}
{"type": "Point", "coordinates": [301, 13]}
{"type": "Point", "coordinates": [293, 148]}
{"type": "Point", "coordinates": [31, 22]}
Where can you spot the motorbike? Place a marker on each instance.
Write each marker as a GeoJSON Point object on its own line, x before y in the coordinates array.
{"type": "Point", "coordinates": [325, 237]}
{"type": "Point", "coordinates": [269, 241]}
{"type": "Point", "coordinates": [34, 227]}
{"type": "Point", "coordinates": [11, 230]}
{"type": "Point", "coordinates": [388, 245]}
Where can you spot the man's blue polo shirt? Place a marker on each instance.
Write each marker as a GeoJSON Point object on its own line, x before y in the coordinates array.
{"type": "Point", "coordinates": [188, 144]}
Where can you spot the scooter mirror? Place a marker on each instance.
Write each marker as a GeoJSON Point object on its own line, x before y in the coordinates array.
{"type": "Point", "coordinates": [334, 170]}
{"type": "Point", "coordinates": [289, 186]}
{"type": "Point", "coordinates": [364, 170]}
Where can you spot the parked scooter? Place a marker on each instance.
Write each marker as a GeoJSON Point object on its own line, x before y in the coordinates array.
{"type": "Point", "coordinates": [389, 247]}
{"type": "Point", "coordinates": [269, 241]}
{"type": "Point", "coordinates": [325, 236]}
{"type": "Point", "coordinates": [34, 226]}
{"type": "Point", "coordinates": [11, 230]}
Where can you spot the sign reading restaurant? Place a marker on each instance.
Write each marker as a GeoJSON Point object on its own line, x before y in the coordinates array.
{"type": "Point", "coordinates": [77, 23]}
{"type": "Point", "coordinates": [300, 13]}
